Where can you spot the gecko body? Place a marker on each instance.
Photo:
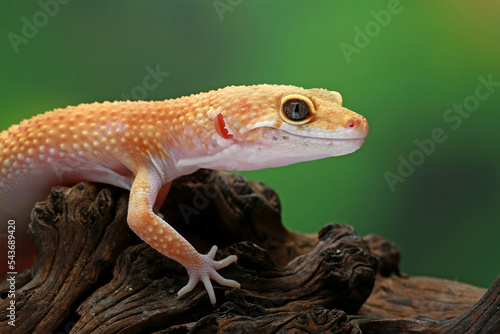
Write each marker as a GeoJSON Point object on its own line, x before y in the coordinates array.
{"type": "Point", "coordinates": [143, 146]}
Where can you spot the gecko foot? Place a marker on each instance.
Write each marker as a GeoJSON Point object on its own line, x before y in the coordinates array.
{"type": "Point", "coordinates": [206, 270]}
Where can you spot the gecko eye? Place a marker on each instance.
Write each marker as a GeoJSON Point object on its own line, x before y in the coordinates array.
{"type": "Point", "coordinates": [296, 109]}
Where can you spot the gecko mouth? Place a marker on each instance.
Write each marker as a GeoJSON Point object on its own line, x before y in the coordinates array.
{"type": "Point", "coordinates": [305, 146]}
{"type": "Point", "coordinates": [355, 132]}
{"type": "Point", "coordinates": [322, 137]}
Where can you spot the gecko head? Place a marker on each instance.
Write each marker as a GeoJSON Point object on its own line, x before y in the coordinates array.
{"type": "Point", "coordinates": [274, 125]}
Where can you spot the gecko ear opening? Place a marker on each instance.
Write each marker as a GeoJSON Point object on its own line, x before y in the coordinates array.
{"type": "Point", "coordinates": [296, 109]}
{"type": "Point", "coordinates": [220, 127]}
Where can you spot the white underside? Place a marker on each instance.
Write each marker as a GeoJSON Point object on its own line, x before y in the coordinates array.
{"type": "Point", "coordinates": [277, 149]}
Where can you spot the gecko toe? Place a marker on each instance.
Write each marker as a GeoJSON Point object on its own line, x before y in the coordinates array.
{"type": "Point", "coordinates": [224, 281]}
{"type": "Point", "coordinates": [212, 252]}
{"type": "Point", "coordinates": [188, 287]}
{"type": "Point", "coordinates": [225, 262]}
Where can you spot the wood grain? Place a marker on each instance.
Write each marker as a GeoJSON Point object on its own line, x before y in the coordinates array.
{"type": "Point", "coordinates": [92, 275]}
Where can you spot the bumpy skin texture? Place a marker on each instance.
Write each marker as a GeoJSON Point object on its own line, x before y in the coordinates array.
{"type": "Point", "coordinates": [143, 146]}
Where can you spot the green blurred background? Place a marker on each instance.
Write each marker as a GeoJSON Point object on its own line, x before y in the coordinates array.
{"type": "Point", "coordinates": [402, 66]}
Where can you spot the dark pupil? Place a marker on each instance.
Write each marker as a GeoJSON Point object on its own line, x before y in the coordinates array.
{"type": "Point", "coordinates": [296, 110]}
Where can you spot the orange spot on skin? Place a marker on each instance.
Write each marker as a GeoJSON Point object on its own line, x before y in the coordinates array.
{"type": "Point", "coordinates": [220, 127]}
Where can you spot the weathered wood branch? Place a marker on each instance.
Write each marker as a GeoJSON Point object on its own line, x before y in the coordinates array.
{"type": "Point", "coordinates": [92, 275]}
{"type": "Point", "coordinates": [482, 317]}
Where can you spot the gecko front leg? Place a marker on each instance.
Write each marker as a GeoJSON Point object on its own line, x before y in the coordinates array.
{"type": "Point", "coordinates": [166, 240]}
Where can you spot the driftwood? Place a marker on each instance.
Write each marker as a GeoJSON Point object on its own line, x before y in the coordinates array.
{"type": "Point", "coordinates": [92, 275]}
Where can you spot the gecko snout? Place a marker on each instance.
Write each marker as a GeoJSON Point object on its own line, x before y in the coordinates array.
{"type": "Point", "coordinates": [359, 124]}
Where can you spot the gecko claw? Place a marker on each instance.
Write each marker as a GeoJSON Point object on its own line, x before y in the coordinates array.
{"type": "Point", "coordinates": [206, 269]}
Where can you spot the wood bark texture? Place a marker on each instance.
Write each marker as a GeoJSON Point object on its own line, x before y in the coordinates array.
{"type": "Point", "coordinates": [93, 275]}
